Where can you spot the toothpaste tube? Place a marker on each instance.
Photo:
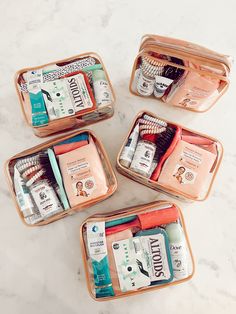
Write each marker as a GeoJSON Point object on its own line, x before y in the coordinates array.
{"type": "Point", "coordinates": [39, 113]}
{"type": "Point", "coordinates": [97, 248]}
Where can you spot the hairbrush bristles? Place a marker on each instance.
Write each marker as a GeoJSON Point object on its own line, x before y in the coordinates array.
{"type": "Point", "coordinates": [164, 140]}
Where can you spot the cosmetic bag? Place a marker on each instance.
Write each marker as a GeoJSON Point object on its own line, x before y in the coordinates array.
{"type": "Point", "coordinates": [170, 158]}
{"type": "Point", "coordinates": [136, 249]}
{"type": "Point", "coordinates": [60, 177]}
{"type": "Point", "coordinates": [179, 73]}
{"type": "Point", "coordinates": [66, 94]}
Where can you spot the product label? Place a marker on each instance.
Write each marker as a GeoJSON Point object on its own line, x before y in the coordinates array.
{"type": "Point", "coordinates": [157, 261]}
{"type": "Point", "coordinates": [143, 157]}
{"type": "Point", "coordinates": [131, 264]}
{"type": "Point", "coordinates": [161, 85]}
{"type": "Point", "coordinates": [57, 99]}
{"type": "Point", "coordinates": [23, 196]}
{"type": "Point", "coordinates": [185, 171]}
{"type": "Point", "coordinates": [34, 79]}
{"type": "Point", "coordinates": [179, 260]}
{"type": "Point", "coordinates": [102, 92]}
{"type": "Point", "coordinates": [145, 86]}
{"type": "Point", "coordinates": [184, 175]}
{"type": "Point", "coordinates": [79, 92]}
{"type": "Point", "coordinates": [129, 149]}
{"type": "Point", "coordinates": [96, 240]}
{"type": "Point", "coordinates": [83, 183]}
{"type": "Point", "coordinates": [45, 199]}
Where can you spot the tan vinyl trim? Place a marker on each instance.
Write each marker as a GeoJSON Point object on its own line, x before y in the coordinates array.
{"type": "Point", "coordinates": [127, 212]}
{"type": "Point", "coordinates": [154, 184]}
{"type": "Point", "coordinates": [54, 126]}
{"type": "Point", "coordinates": [111, 187]}
{"type": "Point", "coordinates": [146, 47]}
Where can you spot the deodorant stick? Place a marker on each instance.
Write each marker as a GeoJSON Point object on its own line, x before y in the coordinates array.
{"type": "Point", "coordinates": [178, 250]}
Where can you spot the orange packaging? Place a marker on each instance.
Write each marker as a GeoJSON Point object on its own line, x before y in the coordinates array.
{"type": "Point", "coordinates": [179, 73]}
{"type": "Point", "coordinates": [186, 168]}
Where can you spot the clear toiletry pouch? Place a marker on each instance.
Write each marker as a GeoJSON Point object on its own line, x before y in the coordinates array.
{"type": "Point", "coordinates": [60, 177]}
{"type": "Point", "coordinates": [170, 158]}
{"type": "Point", "coordinates": [136, 249]}
{"type": "Point", "coordinates": [66, 94]}
{"type": "Point", "coordinates": [179, 73]}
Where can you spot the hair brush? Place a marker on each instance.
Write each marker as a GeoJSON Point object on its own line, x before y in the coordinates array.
{"type": "Point", "coordinates": [166, 143]}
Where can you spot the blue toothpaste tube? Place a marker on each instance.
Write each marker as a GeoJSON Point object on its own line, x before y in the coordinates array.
{"type": "Point", "coordinates": [39, 112]}
{"type": "Point", "coordinates": [97, 247]}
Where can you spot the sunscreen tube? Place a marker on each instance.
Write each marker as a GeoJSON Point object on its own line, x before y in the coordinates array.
{"type": "Point", "coordinates": [161, 85]}
{"type": "Point", "coordinates": [128, 151]}
{"type": "Point", "coordinates": [178, 250]}
{"type": "Point", "coordinates": [97, 248]}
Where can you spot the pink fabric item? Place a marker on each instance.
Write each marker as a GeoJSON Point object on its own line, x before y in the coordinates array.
{"type": "Point", "coordinates": [65, 148]}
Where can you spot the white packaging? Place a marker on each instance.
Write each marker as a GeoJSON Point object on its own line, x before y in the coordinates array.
{"type": "Point", "coordinates": [161, 85]}
{"type": "Point", "coordinates": [145, 85]}
{"type": "Point", "coordinates": [45, 198]}
{"type": "Point", "coordinates": [127, 153]}
{"type": "Point", "coordinates": [143, 157]}
{"type": "Point", "coordinates": [102, 92]}
{"type": "Point", "coordinates": [22, 195]}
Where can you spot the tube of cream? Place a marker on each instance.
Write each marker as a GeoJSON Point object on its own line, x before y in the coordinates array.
{"type": "Point", "coordinates": [161, 85]}
{"type": "Point", "coordinates": [128, 151]}
{"type": "Point", "coordinates": [97, 248]}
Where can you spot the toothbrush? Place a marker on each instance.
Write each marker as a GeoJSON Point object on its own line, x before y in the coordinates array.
{"type": "Point", "coordinates": [58, 178]}
{"type": "Point", "coordinates": [147, 220]}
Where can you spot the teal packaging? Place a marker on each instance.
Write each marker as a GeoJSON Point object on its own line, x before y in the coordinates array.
{"type": "Point", "coordinates": [120, 221]}
{"type": "Point", "coordinates": [155, 244]}
{"type": "Point", "coordinates": [39, 113]}
{"type": "Point", "coordinates": [97, 247]}
{"type": "Point", "coordinates": [80, 137]}
{"type": "Point", "coordinates": [57, 175]}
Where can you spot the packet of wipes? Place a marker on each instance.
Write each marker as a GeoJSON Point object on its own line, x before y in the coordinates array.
{"type": "Point", "coordinates": [83, 174]}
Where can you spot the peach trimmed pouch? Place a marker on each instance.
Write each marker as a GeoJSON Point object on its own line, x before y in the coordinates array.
{"type": "Point", "coordinates": [170, 158]}
{"type": "Point", "coordinates": [136, 249]}
{"type": "Point", "coordinates": [59, 177]}
{"type": "Point", "coordinates": [66, 94]}
{"type": "Point", "coordinates": [179, 73]}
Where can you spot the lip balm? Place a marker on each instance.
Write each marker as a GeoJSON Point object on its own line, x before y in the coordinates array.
{"type": "Point", "coordinates": [178, 250]}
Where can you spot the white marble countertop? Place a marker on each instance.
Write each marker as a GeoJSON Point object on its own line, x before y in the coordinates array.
{"type": "Point", "coordinates": [41, 269]}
